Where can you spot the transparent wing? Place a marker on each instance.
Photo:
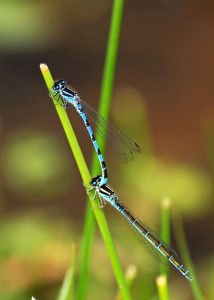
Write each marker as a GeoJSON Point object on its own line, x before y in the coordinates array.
{"type": "Point", "coordinates": [170, 255]}
{"type": "Point", "coordinates": [117, 140]}
{"type": "Point", "coordinates": [150, 248]}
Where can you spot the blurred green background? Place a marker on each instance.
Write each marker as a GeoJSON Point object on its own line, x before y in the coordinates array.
{"type": "Point", "coordinates": [163, 98]}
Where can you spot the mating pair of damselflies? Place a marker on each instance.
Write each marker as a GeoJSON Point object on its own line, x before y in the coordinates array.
{"type": "Point", "coordinates": [126, 148]}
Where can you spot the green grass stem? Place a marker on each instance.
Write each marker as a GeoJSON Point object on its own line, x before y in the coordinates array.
{"type": "Point", "coordinates": [165, 228]}
{"type": "Point", "coordinates": [67, 289]}
{"type": "Point", "coordinates": [104, 108]}
{"type": "Point", "coordinates": [62, 114]}
{"type": "Point", "coordinates": [130, 274]}
{"type": "Point", "coordinates": [99, 214]}
{"type": "Point", "coordinates": [183, 249]}
{"type": "Point", "coordinates": [162, 286]}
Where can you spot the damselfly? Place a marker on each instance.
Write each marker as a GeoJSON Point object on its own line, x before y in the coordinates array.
{"type": "Point", "coordinates": [151, 240]}
{"type": "Point", "coordinates": [126, 145]}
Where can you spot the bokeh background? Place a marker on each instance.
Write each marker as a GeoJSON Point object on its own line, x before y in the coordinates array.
{"type": "Point", "coordinates": [163, 98]}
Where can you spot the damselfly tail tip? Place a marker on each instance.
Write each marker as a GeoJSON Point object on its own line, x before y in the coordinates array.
{"type": "Point", "coordinates": [189, 277]}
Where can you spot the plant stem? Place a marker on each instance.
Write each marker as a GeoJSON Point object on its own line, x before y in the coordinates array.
{"type": "Point", "coordinates": [165, 229]}
{"type": "Point", "coordinates": [163, 290]}
{"type": "Point", "coordinates": [67, 288]}
{"type": "Point", "coordinates": [182, 244]}
{"type": "Point", "coordinates": [100, 217]}
{"type": "Point", "coordinates": [104, 108]}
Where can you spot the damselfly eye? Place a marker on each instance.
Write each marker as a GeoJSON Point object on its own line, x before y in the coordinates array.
{"type": "Point", "coordinates": [62, 82]}
{"type": "Point", "coordinates": [55, 87]}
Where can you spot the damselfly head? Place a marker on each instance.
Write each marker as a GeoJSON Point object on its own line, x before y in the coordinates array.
{"type": "Point", "coordinates": [95, 181]}
{"type": "Point", "coordinates": [59, 85]}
